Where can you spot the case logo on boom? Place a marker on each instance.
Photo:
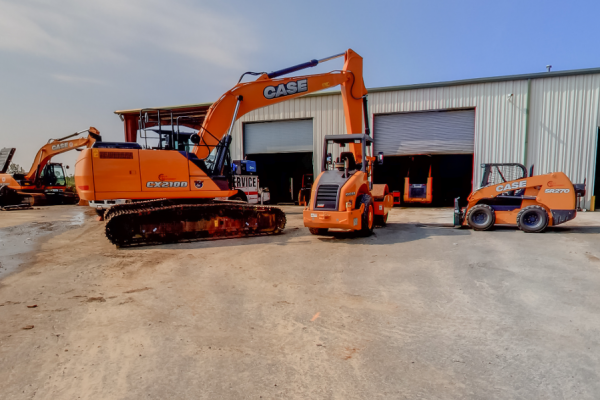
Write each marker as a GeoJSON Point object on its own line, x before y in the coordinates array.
{"type": "Point", "coordinates": [62, 146]}
{"type": "Point", "coordinates": [511, 186]}
{"type": "Point", "coordinates": [292, 87]}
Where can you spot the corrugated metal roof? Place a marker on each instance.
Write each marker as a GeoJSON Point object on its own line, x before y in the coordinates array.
{"type": "Point", "coordinates": [137, 110]}
{"type": "Point", "coordinates": [537, 75]}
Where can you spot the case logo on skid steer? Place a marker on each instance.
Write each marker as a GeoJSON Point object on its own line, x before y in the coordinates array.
{"type": "Point", "coordinates": [153, 184]}
{"type": "Point", "coordinates": [511, 186]}
{"type": "Point", "coordinates": [292, 87]}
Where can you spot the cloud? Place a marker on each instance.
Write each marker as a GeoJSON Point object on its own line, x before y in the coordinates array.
{"type": "Point", "coordinates": [78, 79]}
{"type": "Point", "coordinates": [116, 31]}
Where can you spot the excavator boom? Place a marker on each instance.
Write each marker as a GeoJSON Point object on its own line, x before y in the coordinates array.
{"type": "Point", "coordinates": [59, 146]}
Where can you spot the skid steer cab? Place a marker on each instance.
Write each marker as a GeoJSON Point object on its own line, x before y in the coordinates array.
{"type": "Point", "coordinates": [508, 197]}
{"type": "Point", "coordinates": [343, 195]}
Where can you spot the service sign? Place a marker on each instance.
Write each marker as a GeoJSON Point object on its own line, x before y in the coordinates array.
{"type": "Point", "coordinates": [249, 185]}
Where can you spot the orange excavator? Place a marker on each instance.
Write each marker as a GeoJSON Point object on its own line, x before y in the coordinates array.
{"type": "Point", "coordinates": [45, 182]}
{"type": "Point", "coordinates": [169, 193]}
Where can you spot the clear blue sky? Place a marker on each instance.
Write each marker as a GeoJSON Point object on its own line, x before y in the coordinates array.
{"type": "Point", "coordinates": [67, 65]}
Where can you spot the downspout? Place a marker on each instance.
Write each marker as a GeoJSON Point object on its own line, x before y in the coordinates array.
{"type": "Point", "coordinates": [525, 146]}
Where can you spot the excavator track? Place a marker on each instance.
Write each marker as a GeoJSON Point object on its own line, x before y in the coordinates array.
{"type": "Point", "coordinates": [164, 221]}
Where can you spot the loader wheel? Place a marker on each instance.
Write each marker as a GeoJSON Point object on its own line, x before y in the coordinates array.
{"type": "Point", "coordinates": [481, 217]}
{"type": "Point", "coordinates": [381, 220]}
{"type": "Point", "coordinates": [367, 221]}
{"type": "Point", "coordinates": [532, 219]}
{"type": "Point", "coordinates": [318, 231]}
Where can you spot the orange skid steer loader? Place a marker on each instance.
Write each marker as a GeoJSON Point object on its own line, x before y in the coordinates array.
{"type": "Point", "coordinates": [507, 196]}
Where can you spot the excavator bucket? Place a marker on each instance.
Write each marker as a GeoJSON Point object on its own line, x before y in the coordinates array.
{"type": "Point", "coordinates": [6, 155]}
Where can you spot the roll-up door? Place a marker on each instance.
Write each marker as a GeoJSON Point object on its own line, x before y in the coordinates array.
{"type": "Point", "coordinates": [434, 132]}
{"type": "Point", "coordinates": [294, 136]}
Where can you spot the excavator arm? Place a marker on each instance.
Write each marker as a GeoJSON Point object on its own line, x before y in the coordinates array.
{"type": "Point", "coordinates": [58, 146]}
{"type": "Point", "coordinates": [268, 90]}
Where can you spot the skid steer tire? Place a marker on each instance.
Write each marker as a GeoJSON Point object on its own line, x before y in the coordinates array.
{"type": "Point", "coordinates": [532, 219]}
{"type": "Point", "coordinates": [318, 231]}
{"type": "Point", "coordinates": [481, 217]}
{"type": "Point", "coordinates": [367, 219]}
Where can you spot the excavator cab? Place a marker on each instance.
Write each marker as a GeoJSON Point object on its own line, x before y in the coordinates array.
{"type": "Point", "coordinates": [53, 174]}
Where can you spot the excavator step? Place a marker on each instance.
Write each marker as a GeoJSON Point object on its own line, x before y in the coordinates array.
{"type": "Point", "coordinates": [164, 221]}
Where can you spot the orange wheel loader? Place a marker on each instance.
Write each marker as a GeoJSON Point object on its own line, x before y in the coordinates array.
{"type": "Point", "coordinates": [45, 182]}
{"type": "Point", "coordinates": [343, 196]}
{"type": "Point", "coordinates": [169, 193]}
{"type": "Point", "coordinates": [508, 197]}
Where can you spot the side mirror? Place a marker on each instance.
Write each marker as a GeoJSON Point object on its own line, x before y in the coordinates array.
{"type": "Point", "coordinates": [380, 158]}
{"type": "Point", "coordinates": [195, 138]}
{"type": "Point", "coordinates": [67, 167]}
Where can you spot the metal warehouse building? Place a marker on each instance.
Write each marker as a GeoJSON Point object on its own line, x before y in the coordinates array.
{"type": "Point", "coordinates": [549, 120]}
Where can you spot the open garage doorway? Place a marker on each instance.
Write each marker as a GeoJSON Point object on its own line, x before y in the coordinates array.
{"type": "Point", "coordinates": [417, 145]}
{"type": "Point", "coordinates": [283, 152]}
{"type": "Point", "coordinates": [451, 174]}
{"type": "Point", "coordinates": [282, 174]}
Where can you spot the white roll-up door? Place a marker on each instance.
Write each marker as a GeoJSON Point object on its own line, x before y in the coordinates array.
{"type": "Point", "coordinates": [278, 137]}
{"type": "Point", "coordinates": [433, 132]}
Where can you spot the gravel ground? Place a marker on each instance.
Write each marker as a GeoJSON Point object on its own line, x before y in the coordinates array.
{"type": "Point", "coordinates": [419, 310]}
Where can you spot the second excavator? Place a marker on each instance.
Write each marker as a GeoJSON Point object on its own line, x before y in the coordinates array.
{"type": "Point", "coordinates": [45, 183]}
{"type": "Point", "coordinates": [169, 193]}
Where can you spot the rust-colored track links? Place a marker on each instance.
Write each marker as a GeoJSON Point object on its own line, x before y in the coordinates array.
{"type": "Point", "coordinates": [163, 221]}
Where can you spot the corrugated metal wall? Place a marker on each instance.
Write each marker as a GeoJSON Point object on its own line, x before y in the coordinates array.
{"type": "Point", "coordinates": [564, 119]}
{"type": "Point", "coordinates": [564, 115]}
{"type": "Point", "coordinates": [499, 117]}
{"type": "Point", "coordinates": [326, 111]}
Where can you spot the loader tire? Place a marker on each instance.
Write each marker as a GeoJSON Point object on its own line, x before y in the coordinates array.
{"type": "Point", "coordinates": [367, 219]}
{"type": "Point", "coordinates": [532, 219]}
{"type": "Point", "coordinates": [318, 231]}
{"type": "Point", "coordinates": [381, 220]}
{"type": "Point", "coordinates": [481, 217]}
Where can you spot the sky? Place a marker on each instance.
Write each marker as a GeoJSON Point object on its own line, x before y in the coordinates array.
{"type": "Point", "coordinates": [67, 65]}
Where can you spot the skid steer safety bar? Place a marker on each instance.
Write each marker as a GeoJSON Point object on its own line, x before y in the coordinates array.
{"type": "Point", "coordinates": [309, 64]}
